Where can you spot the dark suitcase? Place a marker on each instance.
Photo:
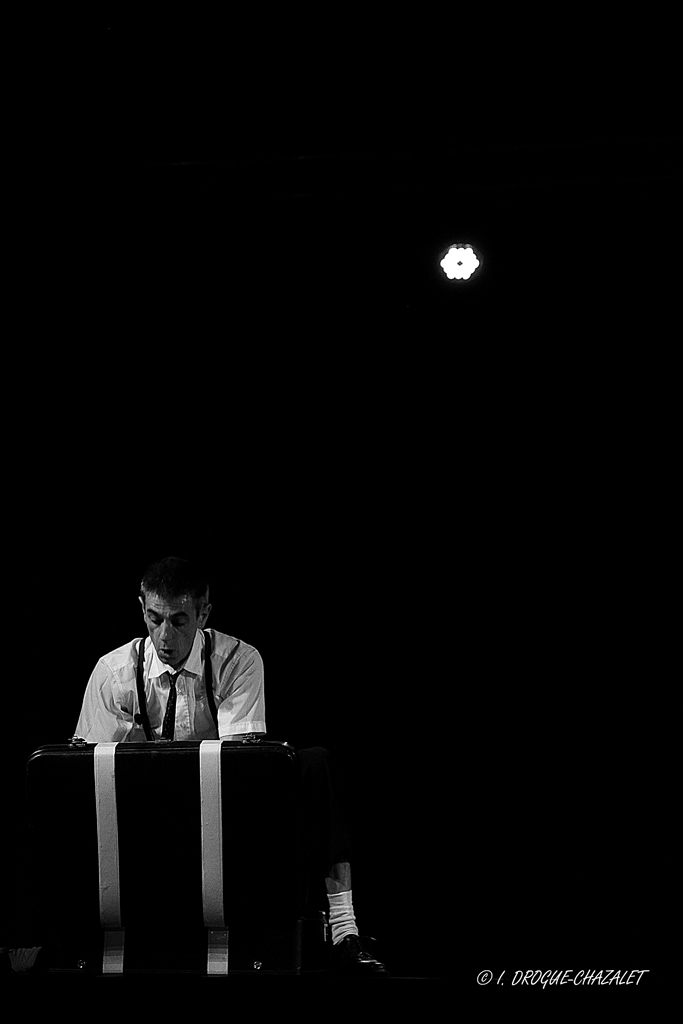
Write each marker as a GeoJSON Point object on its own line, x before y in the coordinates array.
{"type": "Point", "coordinates": [168, 856]}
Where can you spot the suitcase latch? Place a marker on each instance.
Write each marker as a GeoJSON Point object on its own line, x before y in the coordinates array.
{"type": "Point", "coordinates": [77, 741]}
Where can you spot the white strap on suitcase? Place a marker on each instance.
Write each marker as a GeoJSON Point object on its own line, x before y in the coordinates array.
{"type": "Point", "coordinates": [108, 858]}
{"type": "Point", "coordinates": [212, 855]}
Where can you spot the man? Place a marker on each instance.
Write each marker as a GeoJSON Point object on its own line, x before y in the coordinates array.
{"type": "Point", "coordinates": [168, 673]}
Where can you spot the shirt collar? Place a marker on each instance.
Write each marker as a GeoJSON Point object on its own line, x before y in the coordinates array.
{"type": "Point", "coordinates": [192, 665]}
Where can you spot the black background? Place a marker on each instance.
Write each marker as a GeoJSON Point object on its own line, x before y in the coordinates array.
{"type": "Point", "coordinates": [441, 512]}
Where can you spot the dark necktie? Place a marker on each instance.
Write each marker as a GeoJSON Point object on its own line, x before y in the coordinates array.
{"type": "Point", "coordinates": [168, 728]}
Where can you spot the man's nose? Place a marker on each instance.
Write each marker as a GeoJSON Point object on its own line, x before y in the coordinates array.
{"type": "Point", "coordinates": [166, 629]}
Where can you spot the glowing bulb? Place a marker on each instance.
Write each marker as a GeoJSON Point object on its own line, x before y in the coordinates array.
{"type": "Point", "coordinates": [459, 263]}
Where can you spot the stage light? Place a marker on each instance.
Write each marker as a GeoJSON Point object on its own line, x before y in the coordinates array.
{"type": "Point", "coordinates": [460, 262]}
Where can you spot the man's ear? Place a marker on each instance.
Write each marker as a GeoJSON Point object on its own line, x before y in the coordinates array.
{"type": "Point", "coordinates": [203, 615]}
{"type": "Point", "coordinates": [142, 605]}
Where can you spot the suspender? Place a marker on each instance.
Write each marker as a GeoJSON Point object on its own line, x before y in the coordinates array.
{"type": "Point", "coordinates": [208, 678]}
{"type": "Point", "coordinates": [143, 718]}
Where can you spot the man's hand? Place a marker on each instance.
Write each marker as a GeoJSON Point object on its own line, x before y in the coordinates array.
{"type": "Point", "coordinates": [22, 960]}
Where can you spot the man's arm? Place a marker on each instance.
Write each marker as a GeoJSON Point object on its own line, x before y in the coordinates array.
{"type": "Point", "coordinates": [243, 737]}
{"type": "Point", "coordinates": [100, 720]}
{"type": "Point", "coordinates": [242, 709]}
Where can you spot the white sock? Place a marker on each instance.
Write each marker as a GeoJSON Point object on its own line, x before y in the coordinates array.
{"type": "Point", "coordinates": [342, 919]}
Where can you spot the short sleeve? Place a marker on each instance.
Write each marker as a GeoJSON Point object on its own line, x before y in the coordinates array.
{"type": "Point", "coordinates": [242, 708]}
{"type": "Point", "coordinates": [101, 719]}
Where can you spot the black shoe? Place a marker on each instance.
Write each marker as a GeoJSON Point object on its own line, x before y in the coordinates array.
{"type": "Point", "coordinates": [350, 957]}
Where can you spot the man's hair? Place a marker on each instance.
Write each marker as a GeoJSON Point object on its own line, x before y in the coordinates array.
{"type": "Point", "coordinates": [175, 578]}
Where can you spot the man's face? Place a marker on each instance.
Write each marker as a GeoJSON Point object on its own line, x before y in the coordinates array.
{"type": "Point", "coordinates": [172, 626]}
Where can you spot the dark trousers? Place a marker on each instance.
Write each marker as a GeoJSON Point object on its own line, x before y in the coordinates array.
{"type": "Point", "coordinates": [326, 834]}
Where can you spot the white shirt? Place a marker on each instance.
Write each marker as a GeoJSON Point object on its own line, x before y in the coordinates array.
{"type": "Point", "coordinates": [111, 702]}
